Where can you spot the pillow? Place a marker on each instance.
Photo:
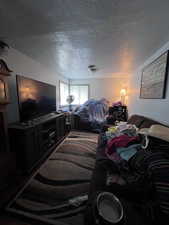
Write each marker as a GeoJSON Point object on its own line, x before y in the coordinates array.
{"type": "Point", "coordinates": [157, 131]}
{"type": "Point", "coordinates": [136, 119]}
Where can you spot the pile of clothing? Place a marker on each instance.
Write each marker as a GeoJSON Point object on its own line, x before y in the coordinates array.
{"type": "Point", "coordinates": [122, 141]}
{"type": "Point", "coordinates": [140, 171]}
{"type": "Point", "coordinates": [95, 112]}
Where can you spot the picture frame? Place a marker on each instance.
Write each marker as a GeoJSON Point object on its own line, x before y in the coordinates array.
{"type": "Point", "coordinates": [154, 78]}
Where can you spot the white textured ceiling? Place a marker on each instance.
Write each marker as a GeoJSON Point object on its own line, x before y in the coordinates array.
{"type": "Point", "coordinates": [68, 35]}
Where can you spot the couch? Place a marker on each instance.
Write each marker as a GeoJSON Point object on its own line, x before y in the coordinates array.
{"type": "Point", "coordinates": [98, 183]}
{"type": "Point", "coordinates": [81, 124]}
{"type": "Point", "coordinates": [142, 121]}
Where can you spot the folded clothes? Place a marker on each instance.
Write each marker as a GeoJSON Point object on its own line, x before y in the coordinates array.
{"type": "Point", "coordinates": [121, 141]}
{"type": "Point", "coordinates": [127, 152]}
{"type": "Point", "coordinates": [115, 157]}
{"type": "Point", "coordinates": [117, 142]}
{"type": "Point", "coordinates": [122, 128]}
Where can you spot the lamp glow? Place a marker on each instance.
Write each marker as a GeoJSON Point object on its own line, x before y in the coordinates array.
{"type": "Point", "coordinates": [123, 93]}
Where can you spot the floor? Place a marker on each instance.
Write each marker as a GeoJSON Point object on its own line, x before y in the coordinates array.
{"type": "Point", "coordinates": [9, 219]}
{"type": "Point", "coordinates": [20, 180]}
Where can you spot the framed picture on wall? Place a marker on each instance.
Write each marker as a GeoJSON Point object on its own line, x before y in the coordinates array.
{"type": "Point", "coordinates": [154, 77]}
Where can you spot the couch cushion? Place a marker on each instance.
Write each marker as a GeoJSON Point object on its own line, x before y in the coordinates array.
{"type": "Point", "coordinates": [136, 119]}
{"type": "Point", "coordinates": [142, 121]}
{"type": "Point", "coordinates": [148, 123]}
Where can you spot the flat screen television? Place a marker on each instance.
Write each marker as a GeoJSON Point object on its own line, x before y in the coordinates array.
{"type": "Point", "coordinates": [35, 98]}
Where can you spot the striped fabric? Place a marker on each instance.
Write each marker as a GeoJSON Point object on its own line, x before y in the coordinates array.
{"type": "Point", "coordinates": [158, 166]}
{"type": "Point", "coordinates": [153, 162]}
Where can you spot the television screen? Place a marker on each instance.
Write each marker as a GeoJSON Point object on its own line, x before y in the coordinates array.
{"type": "Point", "coordinates": [35, 98]}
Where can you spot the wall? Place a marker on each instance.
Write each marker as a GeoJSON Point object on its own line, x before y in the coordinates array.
{"type": "Point", "coordinates": [157, 109]}
{"type": "Point", "coordinates": [108, 88]}
{"type": "Point", "coordinates": [23, 65]}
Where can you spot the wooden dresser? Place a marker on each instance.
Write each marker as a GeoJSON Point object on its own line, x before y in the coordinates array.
{"type": "Point", "coordinates": [4, 100]}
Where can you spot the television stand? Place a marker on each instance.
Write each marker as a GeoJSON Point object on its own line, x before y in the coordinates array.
{"type": "Point", "coordinates": [34, 140]}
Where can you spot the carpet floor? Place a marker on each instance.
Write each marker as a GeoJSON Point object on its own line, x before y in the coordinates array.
{"type": "Point", "coordinates": [59, 191]}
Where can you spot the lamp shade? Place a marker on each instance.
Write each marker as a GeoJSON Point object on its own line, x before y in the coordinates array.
{"type": "Point", "coordinates": [123, 92]}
